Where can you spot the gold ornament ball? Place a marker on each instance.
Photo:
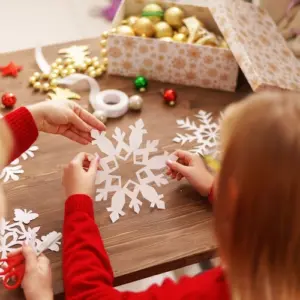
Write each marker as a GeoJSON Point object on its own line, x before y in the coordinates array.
{"type": "Point", "coordinates": [64, 73]}
{"type": "Point", "coordinates": [163, 29]}
{"type": "Point", "coordinates": [45, 76]}
{"type": "Point", "coordinates": [144, 27]}
{"type": "Point", "coordinates": [103, 43]}
{"type": "Point", "coordinates": [53, 76]}
{"type": "Point", "coordinates": [105, 61]}
{"type": "Point", "coordinates": [184, 30]}
{"type": "Point", "coordinates": [103, 52]}
{"type": "Point", "coordinates": [54, 65]}
{"type": "Point", "coordinates": [46, 87]}
{"type": "Point", "coordinates": [60, 68]}
{"type": "Point", "coordinates": [167, 39]}
{"type": "Point", "coordinates": [37, 85]}
{"type": "Point", "coordinates": [114, 30]}
{"type": "Point", "coordinates": [135, 102]}
{"type": "Point", "coordinates": [104, 68]}
{"type": "Point", "coordinates": [153, 12]}
{"type": "Point", "coordinates": [90, 69]}
{"type": "Point", "coordinates": [54, 71]}
{"type": "Point", "coordinates": [96, 64]}
{"type": "Point", "coordinates": [99, 71]}
{"type": "Point", "coordinates": [59, 61]}
{"type": "Point", "coordinates": [88, 61]}
{"type": "Point", "coordinates": [174, 16]}
{"type": "Point", "coordinates": [94, 59]}
{"type": "Point", "coordinates": [82, 67]}
{"type": "Point", "coordinates": [105, 34]}
{"type": "Point", "coordinates": [32, 80]}
{"type": "Point", "coordinates": [92, 74]}
{"type": "Point", "coordinates": [101, 116]}
{"type": "Point", "coordinates": [179, 37]}
{"type": "Point", "coordinates": [53, 83]}
{"type": "Point", "coordinates": [71, 71]}
{"type": "Point", "coordinates": [37, 75]}
{"type": "Point", "coordinates": [125, 30]}
{"type": "Point", "coordinates": [132, 20]}
{"type": "Point", "coordinates": [68, 61]}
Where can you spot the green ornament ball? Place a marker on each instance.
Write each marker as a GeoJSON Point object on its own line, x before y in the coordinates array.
{"type": "Point", "coordinates": [141, 83]}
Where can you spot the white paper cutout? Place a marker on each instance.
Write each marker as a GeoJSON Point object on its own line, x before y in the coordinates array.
{"type": "Point", "coordinates": [125, 148]}
{"type": "Point", "coordinates": [206, 135]}
{"type": "Point", "coordinates": [12, 235]}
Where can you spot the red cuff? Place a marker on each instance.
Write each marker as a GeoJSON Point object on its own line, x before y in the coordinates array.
{"type": "Point", "coordinates": [23, 128]}
{"type": "Point", "coordinates": [79, 203]}
{"type": "Point", "coordinates": [211, 194]}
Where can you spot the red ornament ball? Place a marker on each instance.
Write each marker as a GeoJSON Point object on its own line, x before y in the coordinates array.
{"type": "Point", "coordinates": [170, 97]}
{"type": "Point", "coordinates": [9, 100]}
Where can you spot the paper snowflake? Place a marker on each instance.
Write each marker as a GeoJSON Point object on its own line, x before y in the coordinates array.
{"type": "Point", "coordinates": [13, 234]}
{"type": "Point", "coordinates": [149, 173]}
{"type": "Point", "coordinates": [206, 135]}
{"type": "Point", "coordinates": [14, 170]}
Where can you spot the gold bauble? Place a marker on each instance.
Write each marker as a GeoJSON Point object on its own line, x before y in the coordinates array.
{"type": "Point", "coordinates": [90, 69]}
{"type": "Point", "coordinates": [88, 61]}
{"type": "Point", "coordinates": [125, 30]}
{"type": "Point", "coordinates": [101, 116]}
{"type": "Point", "coordinates": [32, 80]}
{"type": "Point", "coordinates": [92, 74]}
{"type": "Point", "coordinates": [53, 83]}
{"type": "Point", "coordinates": [105, 61]}
{"type": "Point", "coordinates": [71, 71]}
{"type": "Point", "coordinates": [95, 58]}
{"type": "Point", "coordinates": [184, 30]}
{"type": "Point", "coordinates": [54, 71]}
{"type": "Point", "coordinates": [174, 16]}
{"type": "Point", "coordinates": [37, 75]}
{"type": "Point", "coordinates": [96, 64]}
{"type": "Point", "coordinates": [45, 76]}
{"type": "Point", "coordinates": [54, 65]}
{"type": "Point", "coordinates": [82, 67]}
{"type": "Point", "coordinates": [153, 12]}
{"type": "Point", "coordinates": [53, 76]}
{"type": "Point", "coordinates": [99, 71]}
{"type": "Point", "coordinates": [144, 27]}
{"type": "Point", "coordinates": [163, 29]}
{"type": "Point", "coordinates": [103, 43]}
{"type": "Point", "coordinates": [103, 52]}
{"type": "Point", "coordinates": [132, 20]}
{"type": "Point", "coordinates": [60, 68]}
{"type": "Point", "coordinates": [104, 68]}
{"type": "Point", "coordinates": [37, 85]}
{"type": "Point", "coordinates": [64, 73]}
{"type": "Point", "coordinates": [179, 37]}
{"type": "Point", "coordinates": [167, 39]}
{"type": "Point", "coordinates": [68, 61]}
{"type": "Point", "coordinates": [135, 102]}
{"type": "Point", "coordinates": [46, 87]}
{"type": "Point", "coordinates": [114, 30]}
{"type": "Point", "coordinates": [105, 34]}
{"type": "Point", "coordinates": [59, 61]}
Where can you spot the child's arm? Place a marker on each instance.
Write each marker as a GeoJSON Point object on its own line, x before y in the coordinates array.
{"type": "Point", "coordinates": [86, 266]}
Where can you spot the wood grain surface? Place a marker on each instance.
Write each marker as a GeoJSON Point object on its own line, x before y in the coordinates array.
{"type": "Point", "coordinates": [138, 245]}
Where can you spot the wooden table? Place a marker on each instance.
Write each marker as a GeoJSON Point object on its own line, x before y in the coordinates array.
{"type": "Point", "coordinates": [138, 245]}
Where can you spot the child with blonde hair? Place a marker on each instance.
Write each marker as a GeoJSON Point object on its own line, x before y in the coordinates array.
{"type": "Point", "coordinates": [256, 204]}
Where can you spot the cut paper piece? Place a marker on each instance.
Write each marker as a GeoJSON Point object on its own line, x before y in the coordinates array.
{"type": "Point", "coordinates": [122, 148]}
{"type": "Point", "coordinates": [13, 234]}
{"type": "Point", "coordinates": [206, 135]}
{"type": "Point", "coordinates": [14, 170]}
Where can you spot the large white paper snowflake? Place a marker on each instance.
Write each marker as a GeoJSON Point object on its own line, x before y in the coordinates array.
{"type": "Point", "coordinates": [14, 233]}
{"type": "Point", "coordinates": [149, 173]}
{"type": "Point", "coordinates": [206, 134]}
{"type": "Point", "coordinates": [15, 169]}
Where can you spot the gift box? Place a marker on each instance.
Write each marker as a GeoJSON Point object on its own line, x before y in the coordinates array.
{"type": "Point", "coordinates": [255, 46]}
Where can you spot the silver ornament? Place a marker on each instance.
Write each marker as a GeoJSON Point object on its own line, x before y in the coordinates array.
{"type": "Point", "coordinates": [100, 115]}
{"type": "Point", "coordinates": [135, 102]}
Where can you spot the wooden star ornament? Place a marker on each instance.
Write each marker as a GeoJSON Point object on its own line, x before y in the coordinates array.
{"type": "Point", "coordinates": [11, 69]}
{"type": "Point", "coordinates": [62, 94]}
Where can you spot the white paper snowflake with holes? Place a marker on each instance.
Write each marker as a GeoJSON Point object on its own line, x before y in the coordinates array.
{"type": "Point", "coordinates": [206, 134]}
{"type": "Point", "coordinates": [15, 169]}
{"type": "Point", "coordinates": [13, 234]}
{"type": "Point", "coordinates": [150, 172]}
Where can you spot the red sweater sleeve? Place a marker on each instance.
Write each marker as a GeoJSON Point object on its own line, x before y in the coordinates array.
{"type": "Point", "coordinates": [88, 274]}
{"type": "Point", "coordinates": [23, 128]}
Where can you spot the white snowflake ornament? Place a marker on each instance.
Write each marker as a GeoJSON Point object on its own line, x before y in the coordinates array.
{"type": "Point", "coordinates": [123, 149]}
{"type": "Point", "coordinates": [206, 135]}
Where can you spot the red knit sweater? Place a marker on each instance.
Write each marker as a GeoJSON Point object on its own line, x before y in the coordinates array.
{"type": "Point", "coordinates": [87, 271]}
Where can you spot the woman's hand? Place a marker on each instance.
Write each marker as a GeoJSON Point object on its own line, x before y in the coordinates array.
{"type": "Point", "coordinates": [80, 175]}
{"type": "Point", "coordinates": [66, 118]}
{"type": "Point", "coordinates": [37, 281]}
{"type": "Point", "coordinates": [192, 167]}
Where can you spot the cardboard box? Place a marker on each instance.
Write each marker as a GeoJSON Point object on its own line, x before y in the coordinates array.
{"type": "Point", "coordinates": [255, 45]}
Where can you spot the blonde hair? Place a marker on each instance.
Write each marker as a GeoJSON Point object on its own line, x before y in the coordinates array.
{"type": "Point", "coordinates": [257, 204]}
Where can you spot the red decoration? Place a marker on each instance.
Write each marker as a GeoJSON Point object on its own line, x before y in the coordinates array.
{"type": "Point", "coordinates": [11, 69]}
{"type": "Point", "coordinates": [170, 96]}
{"type": "Point", "coordinates": [9, 100]}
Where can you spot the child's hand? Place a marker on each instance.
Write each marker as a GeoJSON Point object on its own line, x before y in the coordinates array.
{"type": "Point", "coordinates": [66, 118]}
{"type": "Point", "coordinates": [37, 281]}
{"type": "Point", "coordinates": [80, 175]}
{"type": "Point", "coordinates": [192, 167]}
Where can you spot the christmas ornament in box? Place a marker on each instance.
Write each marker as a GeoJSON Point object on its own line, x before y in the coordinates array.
{"type": "Point", "coordinates": [252, 37]}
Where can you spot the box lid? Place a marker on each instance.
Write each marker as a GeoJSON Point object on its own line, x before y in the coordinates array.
{"type": "Point", "coordinates": [260, 50]}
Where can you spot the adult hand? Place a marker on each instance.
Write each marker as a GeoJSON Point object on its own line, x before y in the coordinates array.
{"type": "Point", "coordinates": [80, 175]}
{"type": "Point", "coordinates": [192, 167]}
{"type": "Point", "coordinates": [66, 118]}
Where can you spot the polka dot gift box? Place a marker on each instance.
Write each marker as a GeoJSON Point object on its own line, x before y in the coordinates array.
{"type": "Point", "coordinates": [252, 43]}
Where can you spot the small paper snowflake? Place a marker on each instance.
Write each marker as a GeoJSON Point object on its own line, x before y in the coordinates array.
{"type": "Point", "coordinates": [12, 235]}
{"type": "Point", "coordinates": [147, 175]}
{"type": "Point", "coordinates": [206, 135]}
{"type": "Point", "coordinates": [15, 169]}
